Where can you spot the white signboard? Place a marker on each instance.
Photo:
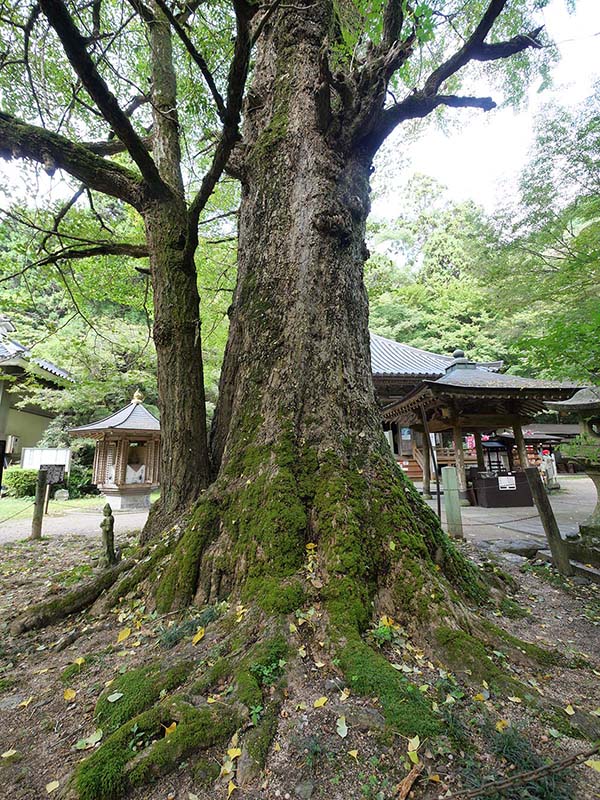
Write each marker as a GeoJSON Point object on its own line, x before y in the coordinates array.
{"type": "Point", "coordinates": [507, 483]}
{"type": "Point", "coordinates": [34, 457]}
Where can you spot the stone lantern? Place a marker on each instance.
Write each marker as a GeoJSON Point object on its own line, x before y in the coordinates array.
{"type": "Point", "coordinates": [585, 449]}
{"type": "Point", "coordinates": [127, 456]}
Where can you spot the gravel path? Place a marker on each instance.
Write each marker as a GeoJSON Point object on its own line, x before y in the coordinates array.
{"type": "Point", "coordinates": [82, 522]}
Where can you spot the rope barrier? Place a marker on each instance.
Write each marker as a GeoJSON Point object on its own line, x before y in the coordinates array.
{"type": "Point", "coordinates": [2, 521]}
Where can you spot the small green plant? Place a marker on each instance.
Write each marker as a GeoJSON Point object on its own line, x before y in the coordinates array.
{"type": "Point", "coordinates": [140, 739]}
{"type": "Point", "coordinates": [256, 713]}
{"type": "Point", "coordinates": [74, 575]}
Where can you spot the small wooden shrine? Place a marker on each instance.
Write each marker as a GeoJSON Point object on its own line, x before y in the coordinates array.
{"type": "Point", "coordinates": [127, 456]}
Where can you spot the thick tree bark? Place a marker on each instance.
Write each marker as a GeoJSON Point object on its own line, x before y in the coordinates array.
{"type": "Point", "coordinates": [297, 434]}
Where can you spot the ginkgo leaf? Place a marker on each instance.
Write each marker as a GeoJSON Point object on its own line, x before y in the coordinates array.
{"type": "Point", "coordinates": [199, 635]}
{"type": "Point", "coordinates": [124, 634]}
{"type": "Point", "coordinates": [211, 699]}
{"type": "Point", "coordinates": [595, 712]}
{"type": "Point", "coordinates": [414, 757]}
{"type": "Point", "coordinates": [79, 661]}
{"type": "Point", "coordinates": [227, 767]}
{"type": "Point", "coordinates": [192, 796]}
{"type": "Point", "coordinates": [414, 744]}
{"type": "Point", "coordinates": [515, 699]}
{"type": "Point", "coordinates": [52, 786]}
{"type": "Point", "coordinates": [435, 778]}
{"type": "Point", "coordinates": [293, 628]}
{"type": "Point", "coordinates": [9, 753]}
{"type": "Point", "coordinates": [320, 702]}
{"type": "Point", "coordinates": [319, 664]}
{"type": "Point", "coordinates": [25, 703]}
{"type": "Point", "coordinates": [593, 764]}
{"type": "Point", "coordinates": [231, 787]}
{"type": "Point", "coordinates": [341, 727]}
{"type": "Point", "coordinates": [277, 747]}
{"type": "Point", "coordinates": [502, 725]}
{"type": "Point", "coordinates": [392, 545]}
{"type": "Point", "coordinates": [344, 695]}
{"type": "Point", "coordinates": [169, 729]}
{"type": "Point", "coordinates": [570, 710]}
{"type": "Point", "coordinates": [112, 698]}
{"type": "Point", "coordinates": [302, 651]}
{"type": "Point", "coordinates": [69, 694]}
{"type": "Point", "coordinates": [234, 752]}
{"type": "Point", "coordinates": [353, 754]}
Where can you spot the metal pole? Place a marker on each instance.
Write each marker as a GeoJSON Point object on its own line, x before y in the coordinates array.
{"type": "Point", "coordinates": [38, 509]}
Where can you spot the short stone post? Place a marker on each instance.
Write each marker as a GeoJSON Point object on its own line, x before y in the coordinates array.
{"type": "Point", "coordinates": [107, 526]}
{"type": "Point", "coordinates": [452, 502]}
{"type": "Point", "coordinates": [38, 508]}
{"type": "Point", "coordinates": [558, 547]}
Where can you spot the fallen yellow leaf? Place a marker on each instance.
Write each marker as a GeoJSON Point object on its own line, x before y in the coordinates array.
{"type": "Point", "coordinates": [199, 635]}
{"type": "Point", "coordinates": [515, 699]}
{"type": "Point", "coordinates": [124, 634]}
{"type": "Point", "coordinates": [570, 710]}
{"type": "Point", "coordinates": [231, 787]}
{"type": "Point", "coordinates": [353, 754]}
{"type": "Point", "coordinates": [169, 729]}
{"type": "Point", "coordinates": [501, 725]}
{"type": "Point", "coordinates": [593, 764]}
{"type": "Point", "coordinates": [52, 786]}
{"type": "Point", "coordinates": [69, 694]}
{"type": "Point", "coordinates": [320, 702]}
{"type": "Point", "coordinates": [234, 752]}
{"type": "Point", "coordinates": [8, 753]}
{"type": "Point", "coordinates": [277, 747]}
{"type": "Point", "coordinates": [25, 703]}
{"type": "Point", "coordinates": [211, 699]}
{"type": "Point", "coordinates": [79, 661]}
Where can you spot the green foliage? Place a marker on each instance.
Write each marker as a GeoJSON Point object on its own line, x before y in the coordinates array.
{"type": "Point", "coordinates": [80, 481]}
{"type": "Point", "coordinates": [20, 482]}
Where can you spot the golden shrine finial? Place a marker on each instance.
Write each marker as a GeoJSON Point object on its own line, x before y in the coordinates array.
{"type": "Point", "coordinates": [137, 397]}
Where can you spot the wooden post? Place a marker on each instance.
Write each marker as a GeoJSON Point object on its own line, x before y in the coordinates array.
{"type": "Point", "coordinates": [479, 451]}
{"type": "Point", "coordinates": [38, 508]}
{"type": "Point", "coordinates": [520, 442]}
{"type": "Point", "coordinates": [459, 460]}
{"type": "Point", "coordinates": [433, 456]}
{"type": "Point", "coordinates": [452, 502]}
{"type": "Point", "coordinates": [46, 498]}
{"type": "Point", "coordinates": [558, 547]}
{"type": "Point", "coordinates": [426, 465]}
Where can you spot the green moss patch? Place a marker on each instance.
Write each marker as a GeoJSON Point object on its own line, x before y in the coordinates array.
{"type": "Point", "coordinates": [115, 768]}
{"type": "Point", "coordinates": [259, 739]}
{"type": "Point", "coordinates": [464, 653]}
{"type": "Point", "coordinates": [140, 688]}
{"type": "Point", "coordinates": [541, 656]}
{"type": "Point", "coordinates": [369, 674]}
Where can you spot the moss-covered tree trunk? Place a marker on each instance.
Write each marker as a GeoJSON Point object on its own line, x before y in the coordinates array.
{"type": "Point", "coordinates": [297, 432]}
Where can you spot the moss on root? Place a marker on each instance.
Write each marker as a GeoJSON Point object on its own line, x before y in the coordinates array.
{"type": "Point", "coordinates": [369, 674]}
{"type": "Point", "coordinates": [140, 689]}
{"type": "Point", "coordinates": [259, 739]}
{"type": "Point", "coordinates": [465, 653]}
{"type": "Point", "coordinates": [539, 655]}
{"type": "Point", "coordinates": [114, 769]}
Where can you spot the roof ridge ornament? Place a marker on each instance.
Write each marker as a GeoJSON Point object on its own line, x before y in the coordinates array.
{"type": "Point", "coordinates": [137, 398]}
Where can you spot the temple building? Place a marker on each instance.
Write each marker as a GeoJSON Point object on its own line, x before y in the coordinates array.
{"type": "Point", "coordinates": [127, 456]}
{"type": "Point", "coordinates": [442, 410]}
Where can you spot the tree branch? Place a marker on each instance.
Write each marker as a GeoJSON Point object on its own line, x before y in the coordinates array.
{"type": "Point", "coordinates": [20, 140]}
{"type": "Point", "coordinates": [197, 57]}
{"type": "Point", "coordinates": [75, 48]}
{"type": "Point", "coordinates": [422, 101]}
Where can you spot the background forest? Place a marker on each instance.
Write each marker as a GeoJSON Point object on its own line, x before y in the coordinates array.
{"type": "Point", "coordinates": [522, 284]}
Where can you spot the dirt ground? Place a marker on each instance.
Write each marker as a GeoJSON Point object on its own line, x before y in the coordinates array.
{"type": "Point", "coordinates": [40, 724]}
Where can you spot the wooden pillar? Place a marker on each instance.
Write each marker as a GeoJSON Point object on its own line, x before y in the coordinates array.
{"type": "Point", "coordinates": [479, 451]}
{"type": "Point", "coordinates": [459, 460]}
{"type": "Point", "coordinates": [38, 509]}
{"type": "Point", "coordinates": [520, 442]}
{"type": "Point", "coordinates": [121, 461]}
{"type": "Point", "coordinates": [426, 465]}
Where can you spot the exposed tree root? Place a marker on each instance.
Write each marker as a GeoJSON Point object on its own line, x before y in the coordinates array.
{"type": "Point", "coordinates": [51, 611]}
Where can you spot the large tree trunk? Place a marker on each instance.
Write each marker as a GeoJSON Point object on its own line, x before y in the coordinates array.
{"type": "Point", "coordinates": [185, 463]}
{"type": "Point", "coordinates": [185, 467]}
{"type": "Point", "coordinates": [297, 431]}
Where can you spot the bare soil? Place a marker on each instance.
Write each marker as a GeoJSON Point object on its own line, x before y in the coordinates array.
{"type": "Point", "coordinates": [308, 758]}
